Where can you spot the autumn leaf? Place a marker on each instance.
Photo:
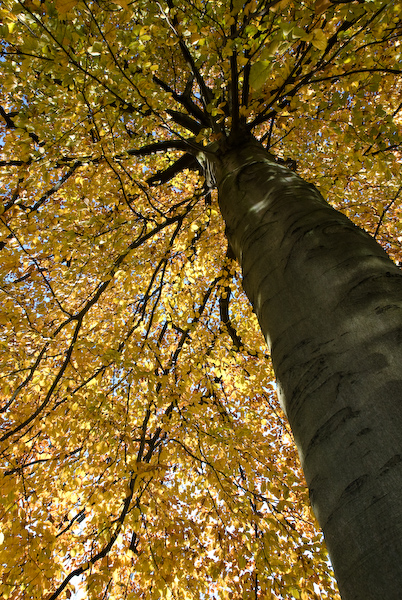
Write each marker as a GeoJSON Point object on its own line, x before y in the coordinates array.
{"type": "Point", "coordinates": [319, 39]}
{"type": "Point", "coordinates": [65, 6]}
{"type": "Point", "coordinates": [321, 6]}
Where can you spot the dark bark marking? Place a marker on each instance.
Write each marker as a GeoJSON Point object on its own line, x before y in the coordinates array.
{"type": "Point", "coordinates": [244, 168]}
{"type": "Point", "coordinates": [371, 291]}
{"type": "Point", "coordinates": [331, 426]}
{"type": "Point", "coordinates": [381, 309]}
{"type": "Point", "coordinates": [311, 380]}
{"type": "Point", "coordinates": [388, 274]}
{"type": "Point", "coordinates": [364, 431]}
{"type": "Point", "coordinates": [312, 492]}
{"type": "Point", "coordinates": [366, 280]}
{"type": "Point", "coordinates": [391, 463]}
{"type": "Point", "coordinates": [355, 486]}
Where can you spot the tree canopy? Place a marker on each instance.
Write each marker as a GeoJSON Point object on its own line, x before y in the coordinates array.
{"type": "Point", "coordinates": [143, 448]}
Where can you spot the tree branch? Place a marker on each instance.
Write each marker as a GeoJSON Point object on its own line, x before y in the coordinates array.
{"type": "Point", "coordinates": [185, 100]}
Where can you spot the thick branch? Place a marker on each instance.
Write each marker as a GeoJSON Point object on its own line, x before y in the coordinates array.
{"type": "Point", "coordinates": [184, 162]}
{"type": "Point", "coordinates": [185, 101]}
{"type": "Point", "coordinates": [185, 121]}
{"type": "Point", "coordinates": [157, 147]}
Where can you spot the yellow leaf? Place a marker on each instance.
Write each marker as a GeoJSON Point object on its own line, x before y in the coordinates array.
{"type": "Point", "coordinates": [64, 6]}
{"type": "Point", "coordinates": [321, 6]}
{"type": "Point", "coordinates": [123, 3]}
{"type": "Point", "coordinates": [319, 39]}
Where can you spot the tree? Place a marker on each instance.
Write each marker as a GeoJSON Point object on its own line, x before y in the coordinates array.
{"type": "Point", "coordinates": [143, 447]}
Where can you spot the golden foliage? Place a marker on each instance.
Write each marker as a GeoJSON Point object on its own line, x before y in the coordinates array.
{"type": "Point", "coordinates": [142, 445]}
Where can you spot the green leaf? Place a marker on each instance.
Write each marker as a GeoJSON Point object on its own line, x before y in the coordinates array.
{"type": "Point", "coordinates": [259, 73]}
{"type": "Point", "coordinates": [95, 49]}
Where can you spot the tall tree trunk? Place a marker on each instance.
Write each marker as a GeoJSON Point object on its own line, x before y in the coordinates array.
{"type": "Point", "coordinates": [328, 300]}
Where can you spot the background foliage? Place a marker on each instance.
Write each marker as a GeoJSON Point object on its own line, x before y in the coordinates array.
{"type": "Point", "coordinates": [142, 443]}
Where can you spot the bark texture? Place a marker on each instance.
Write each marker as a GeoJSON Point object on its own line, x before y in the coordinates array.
{"type": "Point", "coordinates": [329, 302]}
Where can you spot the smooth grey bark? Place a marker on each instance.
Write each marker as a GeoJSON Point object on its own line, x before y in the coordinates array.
{"type": "Point", "coordinates": [329, 302]}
